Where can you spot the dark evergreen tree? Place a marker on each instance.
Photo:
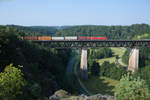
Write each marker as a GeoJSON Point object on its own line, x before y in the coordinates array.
{"type": "Point", "coordinates": [95, 69]}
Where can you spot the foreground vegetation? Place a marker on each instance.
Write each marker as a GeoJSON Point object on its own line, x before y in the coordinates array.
{"type": "Point", "coordinates": [42, 68]}
{"type": "Point", "coordinates": [130, 88]}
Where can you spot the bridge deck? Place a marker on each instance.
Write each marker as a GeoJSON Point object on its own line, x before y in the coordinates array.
{"type": "Point", "coordinates": [93, 43]}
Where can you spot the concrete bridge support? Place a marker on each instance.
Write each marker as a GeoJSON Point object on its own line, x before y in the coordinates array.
{"type": "Point", "coordinates": [83, 65]}
{"type": "Point", "coordinates": [133, 60]}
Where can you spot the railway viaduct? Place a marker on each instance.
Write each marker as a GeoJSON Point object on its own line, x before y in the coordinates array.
{"type": "Point", "coordinates": [85, 44]}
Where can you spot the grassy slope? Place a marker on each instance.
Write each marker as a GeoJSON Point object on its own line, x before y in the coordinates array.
{"type": "Point", "coordinates": [116, 51]}
{"type": "Point", "coordinates": [111, 60]}
{"type": "Point", "coordinates": [100, 85]}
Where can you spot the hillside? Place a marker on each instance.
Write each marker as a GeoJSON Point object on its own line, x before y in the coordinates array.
{"type": "Point", "coordinates": [43, 68]}
{"type": "Point", "coordinates": [112, 32]}
{"type": "Point", "coordinates": [36, 30]}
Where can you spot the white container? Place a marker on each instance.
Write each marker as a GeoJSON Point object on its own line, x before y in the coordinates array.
{"type": "Point", "coordinates": [71, 38]}
{"type": "Point", "coordinates": [57, 38]}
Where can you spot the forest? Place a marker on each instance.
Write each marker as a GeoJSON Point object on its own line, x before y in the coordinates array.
{"type": "Point", "coordinates": [112, 32]}
{"type": "Point", "coordinates": [35, 30]}
{"type": "Point", "coordinates": [42, 68]}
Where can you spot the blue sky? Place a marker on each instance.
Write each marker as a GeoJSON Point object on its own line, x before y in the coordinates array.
{"type": "Point", "coordinates": [74, 12]}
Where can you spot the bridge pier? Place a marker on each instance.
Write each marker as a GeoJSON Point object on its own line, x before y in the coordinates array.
{"type": "Point", "coordinates": [83, 65]}
{"type": "Point", "coordinates": [133, 60]}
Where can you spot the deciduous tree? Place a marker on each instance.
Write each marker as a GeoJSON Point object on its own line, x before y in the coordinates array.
{"type": "Point", "coordinates": [11, 83]}
{"type": "Point", "coordinates": [130, 88]}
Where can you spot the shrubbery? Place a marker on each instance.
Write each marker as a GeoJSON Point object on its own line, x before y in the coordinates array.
{"type": "Point", "coordinates": [11, 83]}
{"type": "Point", "coordinates": [112, 71]}
{"type": "Point", "coordinates": [131, 88]}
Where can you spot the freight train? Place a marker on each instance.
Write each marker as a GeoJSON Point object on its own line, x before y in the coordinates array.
{"type": "Point", "coordinates": [44, 38]}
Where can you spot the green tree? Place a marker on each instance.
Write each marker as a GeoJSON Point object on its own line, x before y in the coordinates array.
{"type": "Point", "coordinates": [125, 56]}
{"type": "Point", "coordinates": [35, 90]}
{"type": "Point", "coordinates": [95, 70]}
{"type": "Point", "coordinates": [11, 83]}
{"type": "Point", "coordinates": [117, 57]}
{"type": "Point", "coordinates": [105, 69]}
{"type": "Point", "coordinates": [130, 88]}
{"type": "Point", "coordinates": [144, 73]}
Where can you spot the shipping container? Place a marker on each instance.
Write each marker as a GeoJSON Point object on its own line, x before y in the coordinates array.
{"type": "Point", "coordinates": [44, 38]}
{"type": "Point", "coordinates": [71, 38]}
{"type": "Point", "coordinates": [57, 38]}
{"type": "Point", "coordinates": [84, 38]}
{"type": "Point", "coordinates": [27, 38]}
{"type": "Point", "coordinates": [99, 38]}
{"type": "Point", "coordinates": [30, 38]}
{"type": "Point", "coordinates": [34, 38]}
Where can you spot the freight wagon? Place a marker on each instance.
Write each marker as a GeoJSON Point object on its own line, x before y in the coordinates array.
{"type": "Point", "coordinates": [84, 38]}
{"type": "Point", "coordinates": [99, 38]}
{"type": "Point", "coordinates": [58, 38]}
{"type": "Point", "coordinates": [30, 38]}
{"type": "Point", "coordinates": [71, 38]}
{"type": "Point", "coordinates": [44, 38]}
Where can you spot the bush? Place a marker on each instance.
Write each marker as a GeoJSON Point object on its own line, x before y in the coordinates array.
{"type": "Point", "coordinates": [131, 88]}
{"type": "Point", "coordinates": [112, 71]}
{"type": "Point", "coordinates": [95, 70]}
{"type": "Point", "coordinates": [11, 83]}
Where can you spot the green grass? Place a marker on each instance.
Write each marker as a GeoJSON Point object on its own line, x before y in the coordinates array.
{"type": "Point", "coordinates": [100, 85]}
{"type": "Point", "coordinates": [116, 51]}
{"type": "Point", "coordinates": [111, 60]}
